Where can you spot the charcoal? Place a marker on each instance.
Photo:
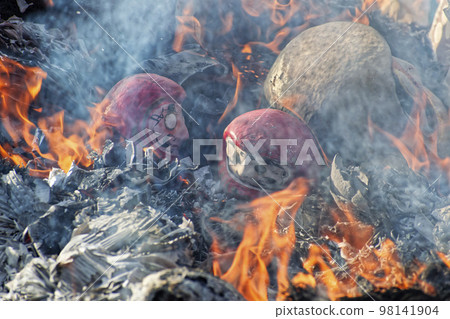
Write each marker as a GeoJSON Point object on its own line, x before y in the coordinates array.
{"type": "Point", "coordinates": [304, 294]}
{"type": "Point", "coordinates": [424, 226]}
{"type": "Point", "coordinates": [113, 155]}
{"type": "Point", "coordinates": [8, 229]}
{"type": "Point", "coordinates": [182, 284]}
{"type": "Point", "coordinates": [76, 269]}
{"type": "Point", "coordinates": [140, 239]}
{"type": "Point", "coordinates": [19, 7]}
{"type": "Point", "coordinates": [12, 257]}
{"type": "Point", "coordinates": [181, 67]}
{"type": "Point", "coordinates": [56, 179]}
{"type": "Point", "coordinates": [438, 275]}
{"type": "Point", "coordinates": [131, 153]}
{"type": "Point", "coordinates": [42, 191]}
{"type": "Point", "coordinates": [349, 187]}
{"type": "Point", "coordinates": [124, 199]}
{"type": "Point", "coordinates": [5, 165]}
{"type": "Point", "coordinates": [93, 182]}
{"type": "Point", "coordinates": [10, 237]}
{"type": "Point", "coordinates": [5, 209]}
{"type": "Point", "coordinates": [400, 195]}
{"type": "Point", "coordinates": [395, 200]}
{"type": "Point", "coordinates": [75, 177]}
{"type": "Point", "coordinates": [311, 216]}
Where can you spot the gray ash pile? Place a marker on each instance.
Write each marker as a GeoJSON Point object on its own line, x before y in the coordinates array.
{"type": "Point", "coordinates": [90, 235]}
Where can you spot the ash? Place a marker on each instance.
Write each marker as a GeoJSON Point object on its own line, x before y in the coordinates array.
{"type": "Point", "coordinates": [99, 234]}
{"type": "Point", "coordinates": [114, 233]}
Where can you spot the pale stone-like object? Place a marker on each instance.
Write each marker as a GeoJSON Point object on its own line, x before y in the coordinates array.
{"type": "Point", "coordinates": [338, 77]}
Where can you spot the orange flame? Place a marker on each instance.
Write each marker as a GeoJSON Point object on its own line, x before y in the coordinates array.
{"type": "Point", "coordinates": [283, 20]}
{"type": "Point", "coordinates": [380, 266]}
{"type": "Point", "coordinates": [263, 243]}
{"type": "Point", "coordinates": [359, 17]}
{"type": "Point", "coordinates": [188, 26]}
{"type": "Point", "coordinates": [444, 258]}
{"type": "Point", "coordinates": [419, 150]}
{"type": "Point", "coordinates": [64, 150]}
{"type": "Point", "coordinates": [19, 87]}
{"type": "Point", "coordinates": [269, 237]}
{"type": "Point", "coordinates": [238, 75]}
{"type": "Point", "coordinates": [360, 13]}
{"type": "Point", "coordinates": [280, 13]}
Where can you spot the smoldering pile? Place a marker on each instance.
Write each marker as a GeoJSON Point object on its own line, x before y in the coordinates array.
{"type": "Point", "coordinates": [95, 235]}
{"type": "Point", "coordinates": [114, 233]}
{"type": "Point", "coordinates": [108, 234]}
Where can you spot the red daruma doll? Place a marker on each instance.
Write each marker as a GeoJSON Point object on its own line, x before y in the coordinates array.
{"type": "Point", "coordinates": [146, 102]}
{"type": "Point", "coordinates": [265, 151]}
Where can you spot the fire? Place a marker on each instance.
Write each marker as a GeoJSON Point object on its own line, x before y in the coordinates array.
{"type": "Point", "coordinates": [183, 180]}
{"type": "Point", "coordinates": [98, 132]}
{"type": "Point", "coordinates": [280, 12]}
{"type": "Point", "coordinates": [271, 24]}
{"type": "Point", "coordinates": [444, 258]}
{"type": "Point", "coordinates": [65, 150]}
{"type": "Point", "coordinates": [268, 237]}
{"type": "Point", "coordinates": [419, 149]}
{"type": "Point", "coordinates": [188, 26]}
{"type": "Point", "coordinates": [381, 266]}
{"type": "Point", "coordinates": [405, 12]}
{"type": "Point", "coordinates": [19, 87]}
{"type": "Point", "coordinates": [238, 75]}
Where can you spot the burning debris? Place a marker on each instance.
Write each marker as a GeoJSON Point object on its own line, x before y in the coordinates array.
{"type": "Point", "coordinates": [305, 158]}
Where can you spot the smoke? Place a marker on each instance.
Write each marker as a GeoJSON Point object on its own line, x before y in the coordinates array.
{"type": "Point", "coordinates": [114, 37]}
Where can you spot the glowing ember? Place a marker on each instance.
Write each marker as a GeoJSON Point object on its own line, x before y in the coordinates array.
{"type": "Point", "coordinates": [380, 266]}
